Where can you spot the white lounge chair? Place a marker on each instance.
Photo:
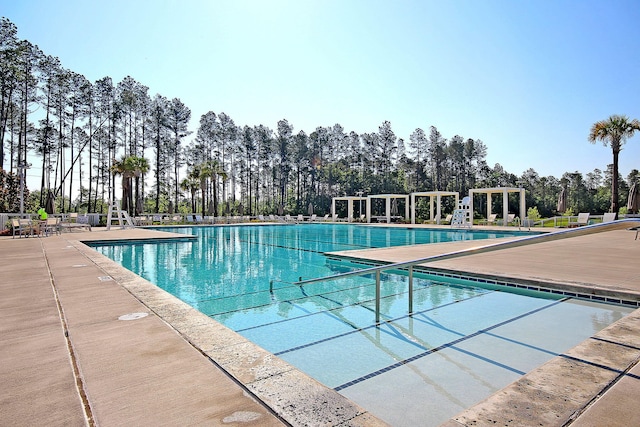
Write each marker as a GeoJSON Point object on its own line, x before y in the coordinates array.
{"type": "Point", "coordinates": [583, 219]}
{"type": "Point", "coordinates": [491, 220]}
{"type": "Point", "coordinates": [436, 220]}
{"type": "Point", "coordinates": [608, 217]}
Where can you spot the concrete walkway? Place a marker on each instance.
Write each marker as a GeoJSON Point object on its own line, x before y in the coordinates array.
{"type": "Point", "coordinates": [85, 342]}
{"type": "Point", "coordinates": [68, 359]}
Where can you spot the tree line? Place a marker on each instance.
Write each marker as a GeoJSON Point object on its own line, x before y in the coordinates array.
{"type": "Point", "coordinates": [83, 134]}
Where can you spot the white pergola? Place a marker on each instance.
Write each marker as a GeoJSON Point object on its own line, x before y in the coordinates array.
{"type": "Point", "coordinates": [388, 198]}
{"type": "Point", "coordinates": [349, 200]}
{"type": "Point", "coordinates": [505, 199]}
{"type": "Point", "coordinates": [432, 195]}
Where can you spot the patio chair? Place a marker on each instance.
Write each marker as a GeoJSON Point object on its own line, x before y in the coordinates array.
{"type": "Point", "coordinates": [51, 226]}
{"type": "Point", "coordinates": [141, 220]}
{"type": "Point", "coordinates": [21, 226]}
{"type": "Point", "coordinates": [608, 217]}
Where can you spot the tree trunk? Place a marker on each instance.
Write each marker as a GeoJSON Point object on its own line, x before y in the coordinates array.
{"type": "Point", "coordinates": [215, 195]}
{"type": "Point", "coordinates": [158, 156]}
{"type": "Point", "coordinates": [614, 183]}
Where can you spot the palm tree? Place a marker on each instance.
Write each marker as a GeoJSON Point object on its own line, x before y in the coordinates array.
{"type": "Point", "coordinates": [191, 183]}
{"type": "Point", "coordinates": [614, 132]}
{"type": "Point", "coordinates": [125, 167]}
{"type": "Point", "coordinates": [209, 170]}
{"type": "Point", "coordinates": [216, 171]}
{"type": "Point", "coordinates": [140, 167]}
{"type": "Point", "coordinates": [204, 174]}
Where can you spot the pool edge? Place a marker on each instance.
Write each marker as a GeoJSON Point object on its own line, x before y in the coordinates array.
{"type": "Point", "coordinates": [289, 393]}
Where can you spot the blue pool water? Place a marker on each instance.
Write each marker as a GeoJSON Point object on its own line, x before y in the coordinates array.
{"type": "Point", "coordinates": [462, 344]}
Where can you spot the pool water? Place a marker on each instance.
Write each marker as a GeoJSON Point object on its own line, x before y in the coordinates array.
{"type": "Point", "coordinates": [462, 343]}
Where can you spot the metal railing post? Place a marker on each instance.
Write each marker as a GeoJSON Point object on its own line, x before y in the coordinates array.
{"type": "Point", "coordinates": [377, 296]}
{"type": "Point", "coordinates": [411, 289]}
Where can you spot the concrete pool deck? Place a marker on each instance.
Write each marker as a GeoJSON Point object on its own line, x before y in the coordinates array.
{"type": "Point", "coordinates": [67, 358]}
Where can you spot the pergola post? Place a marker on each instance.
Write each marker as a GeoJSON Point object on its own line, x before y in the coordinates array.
{"type": "Point", "coordinates": [333, 208]}
{"type": "Point", "coordinates": [406, 207]}
{"type": "Point", "coordinates": [413, 208]}
{"type": "Point", "coordinates": [431, 208]}
{"type": "Point", "coordinates": [505, 207]}
{"type": "Point", "coordinates": [368, 209]}
{"type": "Point", "coordinates": [388, 208]}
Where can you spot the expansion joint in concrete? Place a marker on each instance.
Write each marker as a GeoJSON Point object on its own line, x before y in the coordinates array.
{"type": "Point", "coordinates": [613, 382]}
{"type": "Point", "coordinates": [72, 358]}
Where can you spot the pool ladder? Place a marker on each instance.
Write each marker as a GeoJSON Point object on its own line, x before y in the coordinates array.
{"type": "Point", "coordinates": [629, 223]}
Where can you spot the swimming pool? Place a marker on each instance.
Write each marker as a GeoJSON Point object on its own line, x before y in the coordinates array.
{"type": "Point", "coordinates": [463, 342]}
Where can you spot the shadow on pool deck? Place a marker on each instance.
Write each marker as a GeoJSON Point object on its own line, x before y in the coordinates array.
{"type": "Point", "coordinates": [67, 359]}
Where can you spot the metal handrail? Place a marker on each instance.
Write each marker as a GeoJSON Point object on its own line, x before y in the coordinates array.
{"type": "Point", "coordinates": [630, 223]}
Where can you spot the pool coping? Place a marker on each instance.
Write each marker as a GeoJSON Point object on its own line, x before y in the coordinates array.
{"type": "Point", "coordinates": [293, 395]}
{"type": "Point", "coordinates": [301, 400]}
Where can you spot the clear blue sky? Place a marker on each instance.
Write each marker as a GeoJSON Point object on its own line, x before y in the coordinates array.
{"type": "Point", "coordinates": [528, 78]}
